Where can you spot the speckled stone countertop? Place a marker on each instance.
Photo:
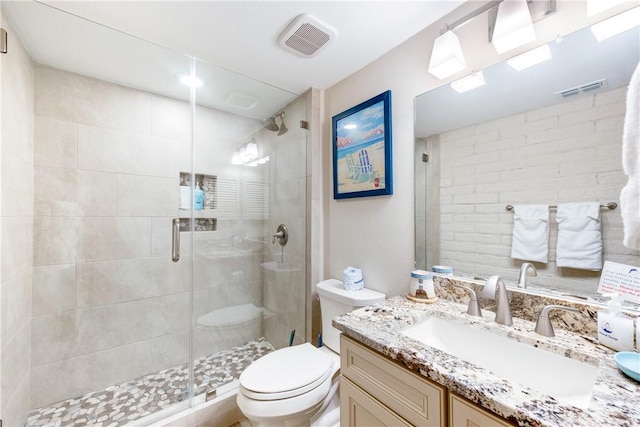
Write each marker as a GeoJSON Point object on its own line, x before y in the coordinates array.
{"type": "Point", "coordinates": [615, 399]}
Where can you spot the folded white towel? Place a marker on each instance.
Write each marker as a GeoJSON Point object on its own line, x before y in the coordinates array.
{"type": "Point", "coordinates": [630, 194]}
{"type": "Point", "coordinates": [530, 233]}
{"type": "Point", "coordinates": [579, 237]}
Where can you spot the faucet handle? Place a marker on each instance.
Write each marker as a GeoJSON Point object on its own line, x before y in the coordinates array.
{"type": "Point", "coordinates": [543, 325]}
{"type": "Point", "coordinates": [474, 305]}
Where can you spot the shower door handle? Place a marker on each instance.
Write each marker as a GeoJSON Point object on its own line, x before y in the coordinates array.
{"type": "Point", "coordinates": [175, 240]}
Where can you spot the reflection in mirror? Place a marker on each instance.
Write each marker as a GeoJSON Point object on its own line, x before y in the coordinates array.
{"type": "Point", "coordinates": [518, 140]}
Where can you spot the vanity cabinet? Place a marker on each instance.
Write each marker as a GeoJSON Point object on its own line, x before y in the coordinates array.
{"type": "Point", "coordinates": [376, 391]}
{"type": "Point", "coordinates": [374, 387]}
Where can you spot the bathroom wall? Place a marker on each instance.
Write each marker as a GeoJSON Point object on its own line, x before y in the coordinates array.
{"type": "Point", "coordinates": [531, 158]}
{"type": "Point", "coordinates": [377, 234]}
{"type": "Point", "coordinates": [16, 227]}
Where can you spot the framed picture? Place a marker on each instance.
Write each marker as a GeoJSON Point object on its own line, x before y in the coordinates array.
{"type": "Point", "coordinates": [362, 149]}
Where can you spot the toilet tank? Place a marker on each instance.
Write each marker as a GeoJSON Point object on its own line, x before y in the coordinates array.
{"type": "Point", "coordinates": [336, 300]}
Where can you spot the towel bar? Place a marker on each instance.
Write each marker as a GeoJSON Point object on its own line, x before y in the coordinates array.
{"type": "Point", "coordinates": [610, 205]}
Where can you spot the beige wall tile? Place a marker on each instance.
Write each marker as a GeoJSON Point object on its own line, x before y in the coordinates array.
{"type": "Point", "coordinates": [170, 118]}
{"type": "Point", "coordinates": [168, 350]}
{"type": "Point", "coordinates": [147, 196]}
{"type": "Point", "coordinates": [72, 377]}
{"type": "Point", "coordinates": [55, 240]}
{"type": "Point", "coordinates": [105, 150]}
{"type": "Point", "coordinates": [16, 186]}
{"type": "Point", "coordinates": [15, 304]}
{"type": "Point", "coordinates": [54, 289]}
{"type": "Point", "coordinates": [55, 143]}
{"type": "Point", "coordinates": [15, 413]}
{"type": "Point", "coordinates": [68, 192]}
{"type": "Point", "coordinates": [73, 333]}
{"type": "Point", "coordinates": [102, 239]}
{"type": "Point", "coordinates": [73, 98]}
{"type": "Point", "coordinates": [14, 363]}
{"type": "Point", "coordinates": [108, 282]}
{"type": "Point", "coordinates": [152, 317]}
{"type": "Point", "coordinates": [17, 246]}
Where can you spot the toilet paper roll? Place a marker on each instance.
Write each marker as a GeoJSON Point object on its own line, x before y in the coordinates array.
{"type": "Point", "coordinates": [352, 279]}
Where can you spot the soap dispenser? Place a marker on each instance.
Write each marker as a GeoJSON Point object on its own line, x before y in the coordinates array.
{"type": "Point", "coordinates": [615, 330]}
{"type": "Point", "coordinates": [198, 197]}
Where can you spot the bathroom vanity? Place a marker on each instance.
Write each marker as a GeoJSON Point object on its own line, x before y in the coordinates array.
{"type": "Point", "coordinates": [390, 378]}
{"type": "Point", "coordinates": [395, 396]}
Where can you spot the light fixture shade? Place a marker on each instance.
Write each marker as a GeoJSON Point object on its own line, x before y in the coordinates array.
{"type": "Point", "coordinates": [446, 56]}
{"type": "Point", "coordinates": [616, 24]}
{"type": "Point", "coordinates": [594, 7]}
{"type": "Point", "coordinates": [469, 82]}
{"type": "Point", "coordinates": [252, 151]}
{"type": "Point", "coordinates": [513, 27]}
{"type": "Point", "coordinates": [530, 58]}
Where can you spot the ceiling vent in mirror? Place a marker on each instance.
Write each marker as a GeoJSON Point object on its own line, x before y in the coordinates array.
{"type": "Point", "coordinates": [306, 36]}
{"type": "Point", "coordinates": [585, 88]}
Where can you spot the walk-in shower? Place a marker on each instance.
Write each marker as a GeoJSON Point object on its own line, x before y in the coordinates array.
{"type": "Point", "coordinates": [99, 325]}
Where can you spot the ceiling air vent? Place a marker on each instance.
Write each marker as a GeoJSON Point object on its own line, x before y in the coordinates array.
{"type": "Point", "coordinates": [306, 36]}
{"type": "Point", "coordinates": [585, 88]}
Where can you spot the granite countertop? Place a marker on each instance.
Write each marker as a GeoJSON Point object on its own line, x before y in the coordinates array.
{"type": "Point", "coordinates": [615, 399]}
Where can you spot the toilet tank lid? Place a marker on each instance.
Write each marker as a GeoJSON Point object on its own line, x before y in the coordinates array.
{"type": "Point", "coordinates": [334, 288]}
{"type": "Point", "coordinates": [228, 316]}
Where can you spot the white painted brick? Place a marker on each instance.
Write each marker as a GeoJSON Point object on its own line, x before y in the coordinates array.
{"type": "Point", "coordinates": [565, 132]}
{"type": "Point", "coordinates": [501, 124]}
{"type": "Point", "coordinates": [611, 124]}
{"type": "Point", "coordinates": [476, 218]}
{"type": "Point", "coordinates": [456, 190]}
{"type": "Point", "coordinates": [592, 114]}
{"type": "Point", "coordinates": [476, 198]}
{"type": "Point", "coordinates": [611, 96]}
{"type": "Point", "coordinates": [478, 178]}
{"type": "Point", "coordinates": [475, 159]}
{"type": "Point", "coordinates": [578, 104]}
{"type": "Point", "coordinates": [502, 144]}
{"type": "Point", "coordinates": [459, 209]}
{"type": "Point", "coordinates": [458, 133]}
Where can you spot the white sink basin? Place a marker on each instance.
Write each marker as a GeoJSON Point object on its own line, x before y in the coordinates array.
{"type": "Point", "coordinates": [567, 380]}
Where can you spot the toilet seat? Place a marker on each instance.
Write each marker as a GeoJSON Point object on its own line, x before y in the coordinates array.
{"type": "Point", "coordinates": [287, 373]}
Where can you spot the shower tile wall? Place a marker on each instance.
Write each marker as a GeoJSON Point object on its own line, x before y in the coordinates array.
{"type": "Point", "coordinates": [16, 223]}
{"type": "Point", "coordinates": [108, 303]}
{"type": "Point", "coordinates": [285, 288]}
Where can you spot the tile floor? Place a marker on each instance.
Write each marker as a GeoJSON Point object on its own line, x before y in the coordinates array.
{"type": "Point", "coordinates": [125, 402]}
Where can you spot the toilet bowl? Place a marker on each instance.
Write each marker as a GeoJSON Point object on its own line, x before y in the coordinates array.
{"type": "Point", "coordinates": [298, 385]}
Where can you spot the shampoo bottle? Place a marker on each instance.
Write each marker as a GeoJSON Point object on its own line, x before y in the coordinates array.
{"type": "Point", "coordinates": [615, 330]}
{"type": "Point", "coordinates": [198, 198]}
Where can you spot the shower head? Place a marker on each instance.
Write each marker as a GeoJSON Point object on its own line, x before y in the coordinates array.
{"type": "Point", "coordinates": [283, 128]}
{"type": "Point", "coordinates": [270, 124]}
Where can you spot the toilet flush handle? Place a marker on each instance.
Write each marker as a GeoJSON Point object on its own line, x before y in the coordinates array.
{"type": "Point", "coordinates": [282, 234]}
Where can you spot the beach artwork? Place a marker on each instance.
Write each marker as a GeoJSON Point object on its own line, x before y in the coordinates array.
{"type": "Point", "coordinates": [362, 142]}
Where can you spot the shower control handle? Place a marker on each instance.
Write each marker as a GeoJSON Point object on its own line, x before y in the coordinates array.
{"type": "Point", "coordinates": [282, 234]}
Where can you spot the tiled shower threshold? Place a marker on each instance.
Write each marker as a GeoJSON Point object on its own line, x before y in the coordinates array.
{"type": "Point", "coordinates": [126, 402]}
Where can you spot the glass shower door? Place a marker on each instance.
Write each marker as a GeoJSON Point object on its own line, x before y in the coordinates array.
{"type": "Point", "coordinates": [110, 312]}
{"type": "Point", "coordinates": [250, 162]}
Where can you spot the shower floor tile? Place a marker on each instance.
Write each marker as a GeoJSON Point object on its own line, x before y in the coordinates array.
{"type": "Point", "coordinates": [122, 403]}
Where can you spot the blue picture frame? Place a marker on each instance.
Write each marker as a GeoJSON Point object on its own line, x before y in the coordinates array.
{"type": "Point", "coordinates": [361, 138]}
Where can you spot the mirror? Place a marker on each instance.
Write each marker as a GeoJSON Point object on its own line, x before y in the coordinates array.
{"type": "Point", "coordinates": [549, 134]}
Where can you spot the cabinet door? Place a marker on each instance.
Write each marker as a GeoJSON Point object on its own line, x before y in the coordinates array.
{"type": "Point", "coordinates": [358, 409]}
{"type": "Point", "coordinates": [415, 398]}
{"type": "Point", "coordinates": [465, 414]}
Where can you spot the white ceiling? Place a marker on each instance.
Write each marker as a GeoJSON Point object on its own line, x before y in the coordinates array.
{"type": "Point", "coordinates": [231, 37]}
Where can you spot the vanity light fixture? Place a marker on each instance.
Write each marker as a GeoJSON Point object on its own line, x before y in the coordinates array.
{"type": "Point", "coordinates": [616, 24]}
{"type": "Point", "coordinates": [513, 26]}
{"type": "Point", "coordinates": [472, 81]}
{"type": "Point", "coordinates": [530, 58]}
{"type": "Point", "coordinates": [446, 56]}
{"type": "Point", "coordinates": [595, 7]}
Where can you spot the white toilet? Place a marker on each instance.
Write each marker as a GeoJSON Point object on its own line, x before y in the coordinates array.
{"type": "Point", "coordinates": [298, 385]}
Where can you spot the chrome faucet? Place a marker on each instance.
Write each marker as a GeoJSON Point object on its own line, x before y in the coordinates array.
{"type": "Point", "coordinates": [496, 289]}
{"type": "Point", "coordinates": [543, 325]}
{"type": "Point", "coordinates": [474, 305]}
{"type": "Point", "coordinates": [524, 268]}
